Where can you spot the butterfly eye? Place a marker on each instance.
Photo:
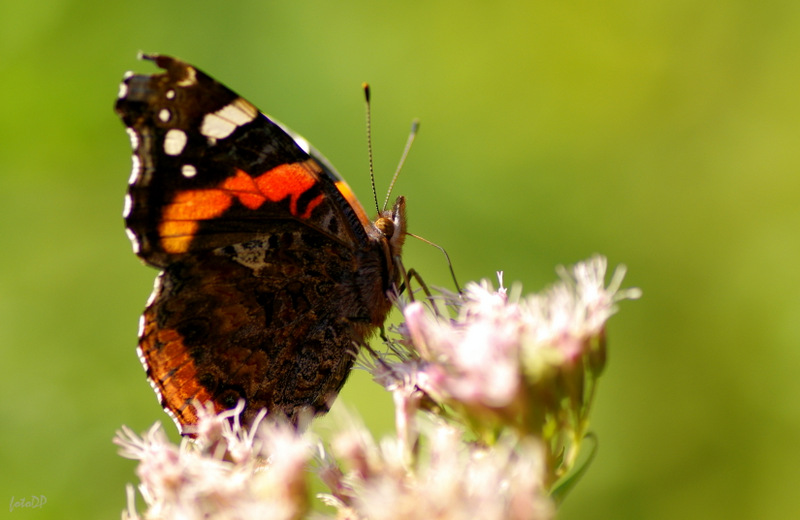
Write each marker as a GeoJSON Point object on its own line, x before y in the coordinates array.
{"type": "Point", "coordinates": [385, 226]}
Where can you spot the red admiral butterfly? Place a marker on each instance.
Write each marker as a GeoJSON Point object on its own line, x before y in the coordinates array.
{"type": "Point", "coordinates": [271, 271]}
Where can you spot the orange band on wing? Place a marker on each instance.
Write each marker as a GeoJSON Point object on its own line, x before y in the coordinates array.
{"type": "Point", "coordinates": [348, 194]}
{"type": "Point", "coordinates": [173, 372]}
{"type": "Point", "coordinates": [181, 217]}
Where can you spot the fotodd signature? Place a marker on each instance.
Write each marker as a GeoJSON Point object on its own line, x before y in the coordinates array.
{"type": "Point", "coordinates": [31, 502]}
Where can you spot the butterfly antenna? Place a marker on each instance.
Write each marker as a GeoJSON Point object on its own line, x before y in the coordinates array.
{"type": "Point", "coordinates": [365, 86]}
{"type": "Point", "coordinates": [411, 136]}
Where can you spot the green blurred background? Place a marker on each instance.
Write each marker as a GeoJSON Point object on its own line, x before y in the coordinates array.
{"type": "Point", "coordinates": [661, 134]}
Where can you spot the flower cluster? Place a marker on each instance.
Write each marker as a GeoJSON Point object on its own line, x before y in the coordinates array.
{"type": "Point", "coordinates": [226, 472]}
{"type": "Point", "coordinates": [496, 363]}
{"type": "Point", "coordinates": [446, 478]}
{"type": "Point", "coordinates": [492, 396]}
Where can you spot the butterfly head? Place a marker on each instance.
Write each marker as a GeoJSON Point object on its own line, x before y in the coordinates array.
{"type": "Point", "coordinates": [392, 225]}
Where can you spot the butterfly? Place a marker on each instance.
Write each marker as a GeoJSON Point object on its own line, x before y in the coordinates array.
{"type": "Point", "coordinates": [271, 272]}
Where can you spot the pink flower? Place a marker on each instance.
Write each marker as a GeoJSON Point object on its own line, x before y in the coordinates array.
{"type": "Point", "coordinates": [450, 480]}
{"type": "Point", "coordinates": [529, 364]}
{"type": "Point", "coordinates": [226, 472]}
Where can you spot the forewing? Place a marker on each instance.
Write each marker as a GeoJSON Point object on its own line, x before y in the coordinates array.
{"type": "Point", "coordinates": [209, 169]}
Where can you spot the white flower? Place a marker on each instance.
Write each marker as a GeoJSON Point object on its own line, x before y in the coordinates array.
{"type": "Point", "coordinates": [450, 480]}
{"type": "Point", "coordinates": [226, 473]}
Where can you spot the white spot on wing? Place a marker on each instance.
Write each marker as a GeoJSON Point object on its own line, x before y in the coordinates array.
{"type": "Point", "coordinates": [123, 90]}
{"type": "Point", "coordinates": [134, 240]}
{"type": "Point", "coordinates": [240, 111]}
{"type": "Point", "coordinates": [126, 210]}
{"type": "Point", "coordinates": [140, 355]}
{"type": "Point", "coordinates": [136, 168]}
{"type": "Point", "coordinates": [216, 127]}
{"type": "Point", "coordinates": [170, 412]}
{"type": "Point", "coordinates": [190, 79]}
{"type": "Point", "coordinates": [140, 333]}
{"type": "Point", "coordinates": [302, 143]}
{"type": "Point", "coordinates": [156, 389]}
{"type": "Point", "coordinates": [174, 141]}
{"type": "Point", "coordinates": [253, 254]}
{"type": "Point", "coordinates": [164, 115]}
{"type": "Point", "coordinates": [223, 122]}
{"type": "Point", "coordinates": [134, 137]}
{"type": "Point", "coordinates": [170, 94]}
{"type": "Point", "coordinates": [188, 171]}
{"type": "Point", "coordinates": [156, 289]}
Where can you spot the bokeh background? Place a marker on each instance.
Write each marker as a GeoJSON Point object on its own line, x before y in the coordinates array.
{"type": "Point", "coordinates": [661, 134]}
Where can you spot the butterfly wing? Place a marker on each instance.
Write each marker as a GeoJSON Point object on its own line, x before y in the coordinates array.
{"type": "Point", "coordinates": [271, 271]}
